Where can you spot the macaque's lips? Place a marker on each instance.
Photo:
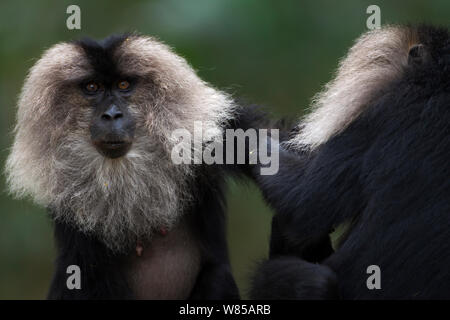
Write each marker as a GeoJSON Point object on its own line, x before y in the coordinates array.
{"type": "Point", "coordinates": [113, 148]}
{"type": "Point", "coordinates": [113, 144]}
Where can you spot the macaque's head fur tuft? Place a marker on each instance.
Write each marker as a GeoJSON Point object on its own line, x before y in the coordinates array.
{"type": "Point", "coordinates": [376, 59]}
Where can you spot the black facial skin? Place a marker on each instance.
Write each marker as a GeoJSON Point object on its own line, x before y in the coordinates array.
{"type": "Point", "coordinates": [112, 127]}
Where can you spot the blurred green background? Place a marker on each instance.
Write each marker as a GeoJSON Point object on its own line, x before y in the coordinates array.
{"type": "Point", "coordinates": [277, 54]}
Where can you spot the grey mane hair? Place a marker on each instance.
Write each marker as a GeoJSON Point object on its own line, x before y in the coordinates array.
{"type": "Point", "coordinates": [376, 59]}
{"type": "Point", "coordinates": [53, 161]}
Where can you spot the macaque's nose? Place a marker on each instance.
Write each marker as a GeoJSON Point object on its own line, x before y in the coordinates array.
{"type": "Point", "coordinates": [112, 113]}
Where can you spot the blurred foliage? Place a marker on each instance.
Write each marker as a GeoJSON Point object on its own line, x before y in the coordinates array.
{"type": "Point", "coordinates": [273, 53]}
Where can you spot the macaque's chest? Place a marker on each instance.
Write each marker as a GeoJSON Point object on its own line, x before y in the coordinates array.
{"type": "Point", "coordinates": [167, 267]}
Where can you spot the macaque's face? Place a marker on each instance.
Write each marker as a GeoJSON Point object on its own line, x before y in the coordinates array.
{"type": "Point", "coordinates": [112, 125]}
{"type": "Point", "coordinates": [105, 99]}
{"type": "Point", "coordinates": [116, 99]}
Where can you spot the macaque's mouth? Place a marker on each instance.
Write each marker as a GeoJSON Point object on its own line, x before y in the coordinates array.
{"type": "Point", "coordinates": [113, 148]}
{"type": "Point", "coordinates": [114, 144]}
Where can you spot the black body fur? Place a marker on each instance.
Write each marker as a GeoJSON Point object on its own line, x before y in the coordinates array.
{"type": "Point", "coordinates": [388, 176]}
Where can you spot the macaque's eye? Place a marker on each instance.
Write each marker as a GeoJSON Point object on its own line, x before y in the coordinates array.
{"type": "Point", "coordinates": [123, 85]}
{"type": "Point", "coordinates": [92, 87]}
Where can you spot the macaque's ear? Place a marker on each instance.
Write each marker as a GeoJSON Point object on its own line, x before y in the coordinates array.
{"type": "Point", "coordinates": [418, 54]}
